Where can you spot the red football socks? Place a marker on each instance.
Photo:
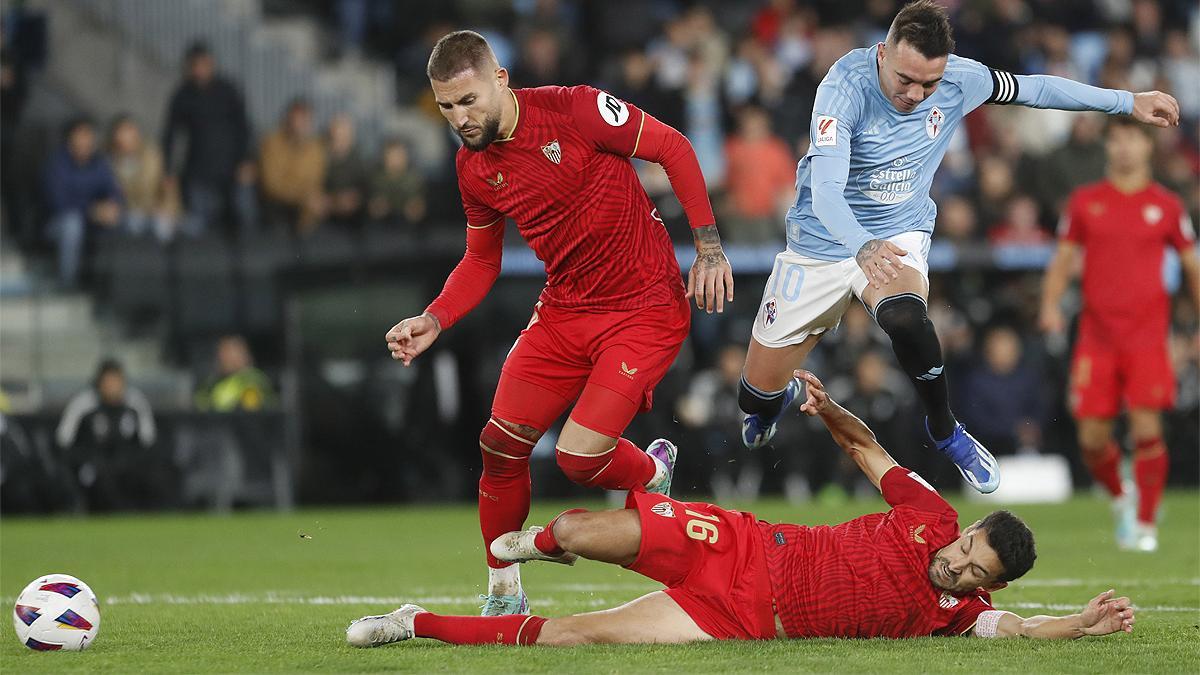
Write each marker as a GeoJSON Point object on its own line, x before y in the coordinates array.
{"type": "Point", "coordinates": [514, 629]}
{"type": "Point", "coordinates": [545, 541]}
{"type": "Point", "coordinates": [1106, 467]}
{"type": "Point", "coordinates": [622, 468]}
{"type": "Point", "coordinates": [504, 484]}
{"type": "Point", "coordinates": [1150, 464]}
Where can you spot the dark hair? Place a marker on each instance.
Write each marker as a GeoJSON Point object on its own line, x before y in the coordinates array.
{"type": "Point", "coordinates": [459, 51]}
{"type": "Point", "coordinates": [195, 50]}
{"type": "Point", "coordinates": [1127, 122]}
{"type": "Point", "coordinates": [107, 366]}
{"type": "Point", "coordinates": [75, 123]}
{"type": "Point", "coordinates": [1012, 541]}
{"type": "Point", "coordinates": [925, 25]}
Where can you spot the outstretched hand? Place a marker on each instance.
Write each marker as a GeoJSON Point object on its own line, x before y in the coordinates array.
{"type": "Point", "coordinates": [412, 336]}
{"type": "Point", "coordinates": [1106, 614]}
{"type": "Point", "coordinates": [1156, 108]}
{"type": "Point", "coordinates": [816, 399]}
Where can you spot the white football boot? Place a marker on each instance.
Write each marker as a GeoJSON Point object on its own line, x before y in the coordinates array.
{"type": "Point", "coordinates": [518, 547]}
{"type": "Point", "coordinates": [1147, 538]}
{"type": "Point", "coordinates": [375, 631]}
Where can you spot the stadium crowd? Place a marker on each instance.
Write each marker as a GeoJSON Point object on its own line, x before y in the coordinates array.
{"type": "Point", "coordinates": [738, 79]}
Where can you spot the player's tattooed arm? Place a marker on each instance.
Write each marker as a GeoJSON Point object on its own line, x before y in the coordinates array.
{"type": "Point", "coordinates": [710, 280]}
{"type": "Point", "coordinates": [880, 261]}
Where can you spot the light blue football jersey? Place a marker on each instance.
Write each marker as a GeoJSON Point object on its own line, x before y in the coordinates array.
{"type": "Point", "coordinates": [892, 155]}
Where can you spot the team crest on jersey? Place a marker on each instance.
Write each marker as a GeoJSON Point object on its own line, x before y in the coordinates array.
{"type": "Point", "coordinates": [770, 311]}
{"type": "Point", "coordinates": [497, 183]}
{"type": "Point", "coordinates": [933, 122]}
{"type": "Point", "coordinates": [1152, 213]}
{"type": "Point", "coordinates": [947, 601]}
{"type": "Point", "coordinates": [663, 509]}
{"type": "Point", "coordinates": [552, 151]}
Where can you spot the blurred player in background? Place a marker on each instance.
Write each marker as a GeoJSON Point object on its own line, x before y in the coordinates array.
{"type": "Point", "coordinates": [614, 312]}
{"type": "Point", "coordinates": [1120, 227]}
{"type": "Point", "coordinates": [862, 219]}
{"type": "Point", "coordinates": [909, 572]}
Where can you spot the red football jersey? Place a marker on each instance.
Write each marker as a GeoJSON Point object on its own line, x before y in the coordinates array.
{"type": "Point", "coordinates": [869, 577]}
{"type": "Point", "coordinates": [1123, 238]}
{"type": "Point", "coordinates": [565, 177]}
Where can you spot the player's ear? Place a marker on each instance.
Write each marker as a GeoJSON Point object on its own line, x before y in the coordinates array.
{"type": "Point", "coordinates": [502, 77]}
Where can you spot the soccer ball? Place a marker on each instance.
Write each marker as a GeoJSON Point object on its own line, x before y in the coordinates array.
{"type": "Point", "coordinates": [57, 611]}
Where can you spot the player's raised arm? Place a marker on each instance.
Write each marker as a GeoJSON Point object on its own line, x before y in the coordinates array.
{"type": "Point", "coordinates": [851, 433]}
{"type": "Point", "coordinates": [1060, 93]}
{"type": "Point", "coordinates": [1104, 615]}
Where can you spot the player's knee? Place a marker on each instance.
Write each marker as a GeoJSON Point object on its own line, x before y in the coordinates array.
{"type": "Point", "coordinates": [902, 315]}
{"type": "Point", "coordinates": [583, 469]}
{"type": "Point", "coordinates": [505, 453]}
{"type": "Point", "coordinates": [567, 530]}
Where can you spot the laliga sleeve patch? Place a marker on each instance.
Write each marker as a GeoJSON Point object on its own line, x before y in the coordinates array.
{"type": "Point", "coordinates": [613, 110]}
{"type": "Point", "coordinates": [826, 131]}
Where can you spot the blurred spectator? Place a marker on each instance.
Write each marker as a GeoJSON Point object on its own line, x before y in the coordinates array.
{"type": "Point", "coordinates": [1003, 395]}
{"type": "Point", "coordinates": [293, 171]}
{"type": "Point", "coordinates": [397, 192]}
{"type": "Point", "coordinates": [83, 197]}
{"type": "Point", "coordinates": [217, 177]}
{"type": "Point", "coordinates": [237, 385]}
{"type": "Point", "coordinates": [878, 399]}
{"type": "Point", "coordinates": [638, 86]}
{"type": "Point", "coordinates": [1020, 226]}
{"type": "Point", "coordinates": [1182, 69]}
{"type": "Point", "coordinates": [996, 186]}
{"type": "Point", "coordinates": [760, 179]}
{"type": "Point", "coordinates": [710, 408]}
{"type": "Point", "coordinates": [346, 177]}
{"type": "Point", "coordinates": [956, 220]}
{"type": "Point", "coordinates": [150, 204]}
{"type": "Point", "coordinates": [355, 17]}
{"type": "Point", "coordinates": [542, 62]}
{"type": "Point", "coordinates": [105, 430]}
{"type": "Point", "coordinates": [13, 93]}
{"type": "Point", "coordinates": [1078, 162]}
{"type": "Point", "coordinates": [703, 124]}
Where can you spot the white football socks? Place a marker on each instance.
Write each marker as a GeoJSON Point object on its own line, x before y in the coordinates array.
{"type": "Point", "coordinates": [504, 581]}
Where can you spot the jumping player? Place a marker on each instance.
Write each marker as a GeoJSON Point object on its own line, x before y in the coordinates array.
{"type": "Point", "coordinates": [905, 573]}
{"type": "Point", "coordinates": [862, 219]}
{"type": "Point", "coordinates": [614, 312]}
{"type": "Point", "coordinates": [1121, 227]}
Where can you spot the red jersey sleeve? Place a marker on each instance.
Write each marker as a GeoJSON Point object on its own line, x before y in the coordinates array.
{"type": "Point", "coordinates": [1071, 224]}
{"type": "Point", "coordinates": [901, 487]}
{"type": "Point", "coordinates": [478, 214]}
{"type": "Point", "coordinates": [1183, 236]}
{"type": "Point", "coordinates": [621, 128]}
{"type": "Point", "coordinates": [969, 609]}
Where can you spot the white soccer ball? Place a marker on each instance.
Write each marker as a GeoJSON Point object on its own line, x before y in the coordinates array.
{"type": "Point", "coordinates": [57, 611]}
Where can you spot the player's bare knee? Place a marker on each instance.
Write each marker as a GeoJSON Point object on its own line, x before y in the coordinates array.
{"type": "Point", "coordinates": [568, 528]}
{"type": "Point", "coordinates": [523, 430]}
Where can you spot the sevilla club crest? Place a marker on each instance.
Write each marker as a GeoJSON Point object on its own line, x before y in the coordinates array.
{"type": "Point", "coordinates": [552, 151]}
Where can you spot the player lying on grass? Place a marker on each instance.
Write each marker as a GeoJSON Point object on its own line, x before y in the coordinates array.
{"type": "Point", "coordinates": [905, 573]}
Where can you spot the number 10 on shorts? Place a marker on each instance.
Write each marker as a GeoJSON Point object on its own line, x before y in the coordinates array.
{"type": "Point", "coordinates": [786, 280]}
{"type": "Point", "coordinates": [700, 528]}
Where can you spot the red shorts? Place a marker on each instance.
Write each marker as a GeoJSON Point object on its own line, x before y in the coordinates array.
{"type": "Point", "coordinates": [626, 352]}
{"type": "Point", "coordinates": [712, 562]}
{"type": "Point", "coordinates": [1132, 368]}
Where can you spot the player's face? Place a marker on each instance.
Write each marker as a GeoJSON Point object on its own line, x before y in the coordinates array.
{"type": "Point", "coordinates": [1128, 149]}
{"type": "Point", "coordinates": [471, 102]}
{"type": "Point", "coordinates": [966, 564]}
{"type": "Point", "coordinates": [906, 76]}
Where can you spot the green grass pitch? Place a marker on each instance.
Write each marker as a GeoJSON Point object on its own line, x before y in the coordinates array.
{"type": "Point", "coordinates": [247, 593]}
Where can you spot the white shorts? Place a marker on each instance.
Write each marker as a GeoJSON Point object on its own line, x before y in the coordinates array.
{"type": "Point", "coordinates": [805, 296]}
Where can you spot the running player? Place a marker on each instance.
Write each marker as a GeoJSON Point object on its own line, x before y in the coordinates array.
{"type": "Point", "coordinates": [905, 573]}
{"type": "Point", "coordinates": [614, 312]}
{"type": "Point", "coordinates": [862, 220]}
{"type": "Point", "coordinates": [1121, 226]}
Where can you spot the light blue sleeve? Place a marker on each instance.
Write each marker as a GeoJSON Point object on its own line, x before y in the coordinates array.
{"type": "Point", "coordinates": [1049, 91]}
{"type": "Point", "coordinates": [838, 108]}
